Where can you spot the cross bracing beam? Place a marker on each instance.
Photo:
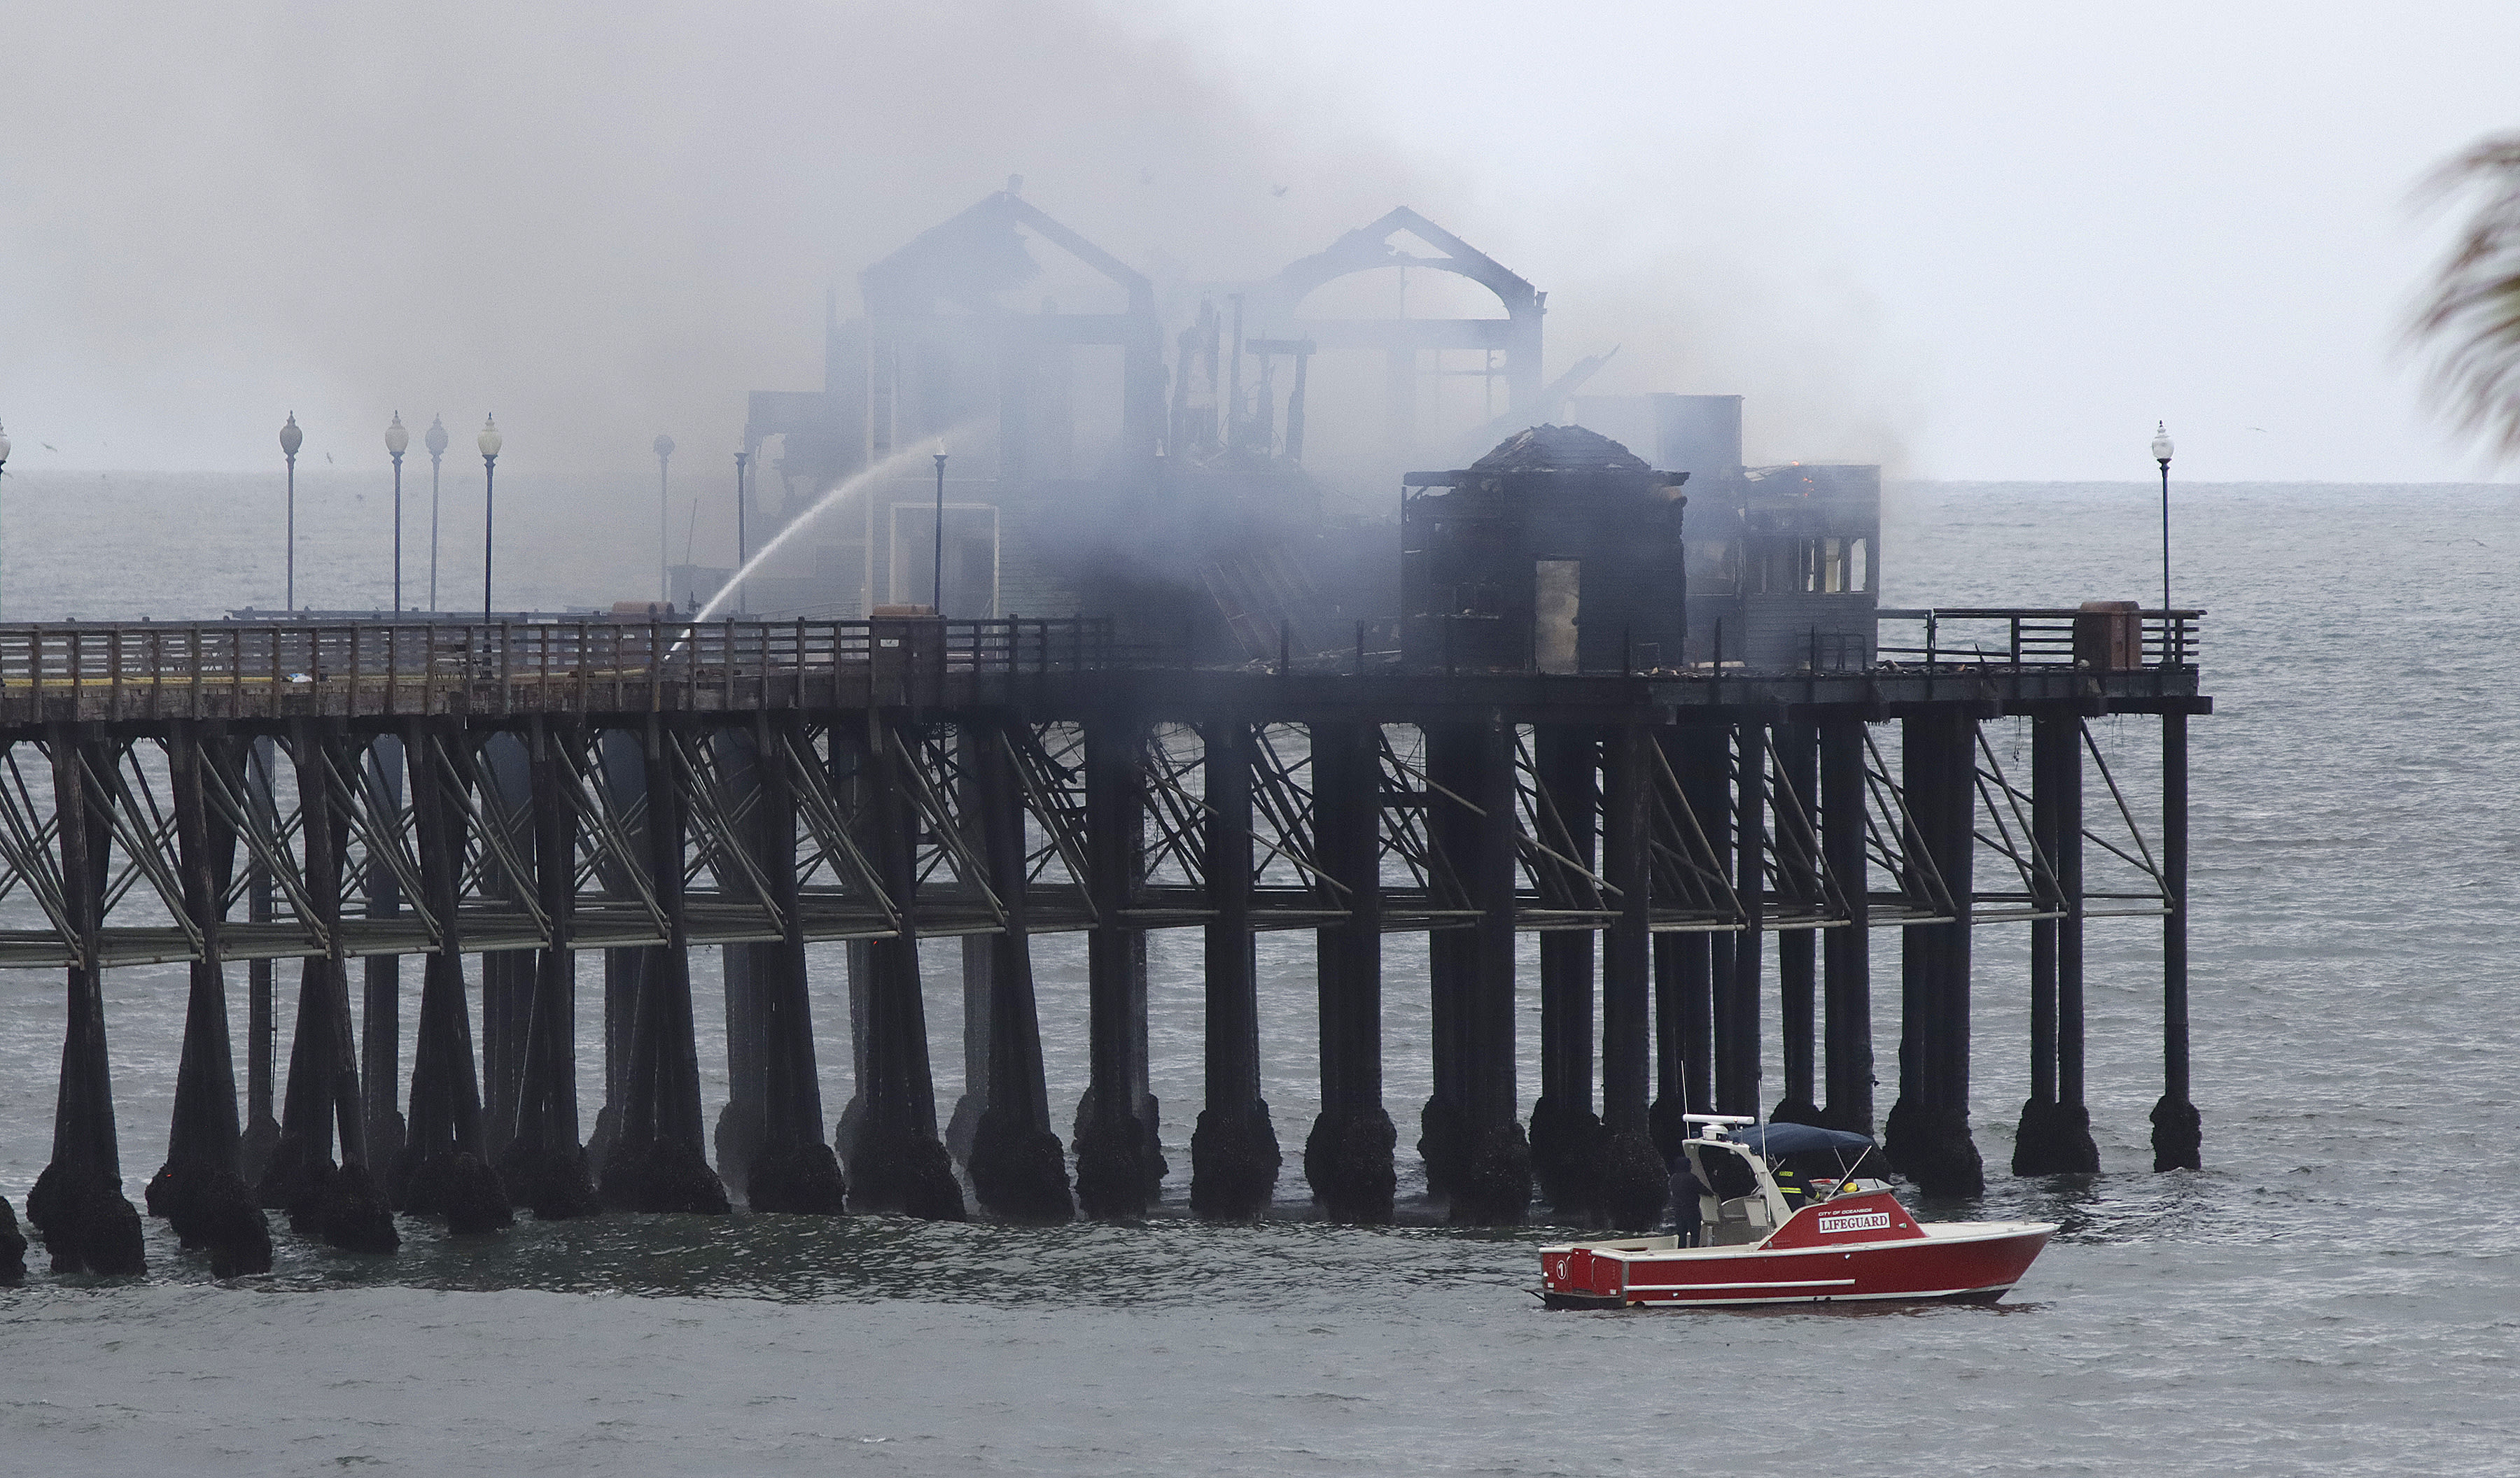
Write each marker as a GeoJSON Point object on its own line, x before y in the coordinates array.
{"type": "Point", "coordinates": [838, 896]}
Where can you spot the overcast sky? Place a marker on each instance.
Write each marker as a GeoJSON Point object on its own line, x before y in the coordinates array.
{"type": "Point", "coordinates": [1974, 241]}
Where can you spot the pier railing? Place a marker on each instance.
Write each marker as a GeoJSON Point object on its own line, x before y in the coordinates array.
{"type": "Point", "coordinates": [291, 667]}
{"type": "Point", "coordinates": [2105, 640]}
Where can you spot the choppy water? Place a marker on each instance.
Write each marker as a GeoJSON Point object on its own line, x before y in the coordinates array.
{"type": "Point", "coordinates": [2338, 1291]}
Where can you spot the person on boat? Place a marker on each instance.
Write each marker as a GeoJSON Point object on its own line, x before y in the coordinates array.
{"type": "Point", "coordinates": [1686, 1216]}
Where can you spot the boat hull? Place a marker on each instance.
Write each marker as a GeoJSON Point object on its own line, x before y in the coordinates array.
{"type": "Point", "coordinates": [1969, 1262]}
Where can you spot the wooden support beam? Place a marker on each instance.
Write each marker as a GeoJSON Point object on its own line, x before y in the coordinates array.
{"type": "Point", "coordinates": [1018, 1166]}
{"type": "Point", "coordinates": [1496, 1184]}
{"type": "Point", "coordinates": [1927, 1135]}
{"type": "Point", "coordinates": [795, 1171]}
{"type": "Point", "coordinates": [1348, 1153]}
{"type": "Point", "coordinates": [1118, 1169]}
{"type": "Point", "coordinates": [445, 1169]}
{"type": "Point", "coordinates": [743, 1124]}
{"type": "Point", "coordinates": [1566, 1135]}
{"type": "Point", "coordinates": [78, 1202]}
{"type": "Point", "coordinates": [261, 1126]}
{"type": "Point", "coordinates": [1445, 1135]}
{"type": "Point", "coordinates": [200, 1190]}
{"type": "Point", "coordinates": [1797, 771]}
{"type": "Point", "coordinates": [380, 988]}
{"type": "Point", "coordinates": [659, 1164]}
{"type": "Point", "coordinates": [205, 1131]}
{"type": "Point", "coordinates": [543, 1163]}
{"type": "Point", "coordinates": [1847, 966]}
{"type": "Point", "coordinates": [345, 1205]}
{"type": "Point", "coordinates": [622, 776]}
{"type": "Point", "coordinates": [1234, 1151]}
{"type": "Point", "coordinates": [2055, 1137]}
{"type": "Point", "coordinates": [1633, 1184]}
{"type": "Point", "coordinates": [505, 773]}
{"type": "Point", "coordinates": [1737, 992]}
{"type": "Point", "coordinates": [2177, 1129]}
{"type": "Point", "coordinates": [896, 1161]}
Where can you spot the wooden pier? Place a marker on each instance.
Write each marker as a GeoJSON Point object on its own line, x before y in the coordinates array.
{"type": "Point", "coordinates": [515, 792]}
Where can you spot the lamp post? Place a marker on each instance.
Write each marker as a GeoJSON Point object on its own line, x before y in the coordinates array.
{"type": "Point", "coordinates": [664, 491]}
{"type": "Point", "coordinates": [435, 440]}
{"type": "Point", "coordinates": [3, 451]}
{"type": "Point", "coordinates": [743, 546]}
{"type": "Point", "coordinates": [936, 583]}
{"type": "Point", "coordinates": [290, 439]}
{"type": "Point", "coordinates": [2161, 450]}
{"type": "Point", "coordinates": [489, 442]}
{"type": "Point", "coordinates": [397, 442]}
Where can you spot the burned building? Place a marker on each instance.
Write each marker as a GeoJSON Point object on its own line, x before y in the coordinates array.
{"type": "Point", "coordinates": [1137, 448]}
{"type": "Point", "coordinates": [1559, 551]}
{"type": "Point", "coordinates": [1783, 561]}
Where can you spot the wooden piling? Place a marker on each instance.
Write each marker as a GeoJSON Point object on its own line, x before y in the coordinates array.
{"type": "Point", "coordinates": [1018, 1166]}
{"type": "Point", "coordinates": [1348, 1153]}
{"type": "Point", "coordinates": [659, 1163]}
{"type": "Point", "coordinates": [1494, 1189]}
{"type": "Point", "coordinates": [1116, 1173]}
{"type": "Point", "coordinates": [622, 776]}
{"type": "Point", "coordinates": [1567, 1141]}
{"type": "Point", "coordinates": [897, 1163]}
{"type": "Point", "coordinates": [1633, 1184]}
{"type": "Point", "coordinates": [1846, 1007]}
{"type": "Point", "coordinates": [506, 976]}
{"type": "Point", "coordinates": [2054, 1134]}
{"type": "Point", "coordinates": [1736, 992]}
{"type": "Point", "coordinates": [1797, 771]}
{"type": "Point", "coordinates": [2177, 1129]}
{"type": "Point", "coordinates": [342, 1204]}
{"type": "Point", "coordinates": [445, 1169]}
{"type": "Point", "coordinates": [743, 1124]}
{"type": "Point", "coordinates": [261, 1126]}
{"type": "Point", "coordinates": [1927, 1135]}
{"type": "Point", "coordinates": [543, 1163]}
{"type": "Point", "coordinates": [794, 1170]}
{"type": "Point", "coordinates": [1444, 1138]}
{"type": "Point", "coordinates": [1233, 1154]}
{"type": "Point", "coordinates": [200, 1190]}
{"type": "Point", "coordinates": [78, 1203]}
{"type": "Point", "coordinates": [381, 986]}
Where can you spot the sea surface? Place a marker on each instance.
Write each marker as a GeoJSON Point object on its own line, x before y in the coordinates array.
{"type": "Point", "coordinates": [2337, 1291]}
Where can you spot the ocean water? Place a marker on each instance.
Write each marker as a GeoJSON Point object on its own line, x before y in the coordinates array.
{"type": "Point", "coordinates": [2337, 1291]}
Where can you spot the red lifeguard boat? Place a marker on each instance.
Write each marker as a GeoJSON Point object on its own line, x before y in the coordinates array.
{"type": "Point", "coordinates": [1763, 1237]}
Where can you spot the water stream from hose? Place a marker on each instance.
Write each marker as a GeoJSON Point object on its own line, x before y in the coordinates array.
{"type": "Point", "coordinates": [889, 467]}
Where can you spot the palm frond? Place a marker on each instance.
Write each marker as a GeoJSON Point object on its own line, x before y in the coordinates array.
{"type": "Point", "coordinates": [2468, 323]}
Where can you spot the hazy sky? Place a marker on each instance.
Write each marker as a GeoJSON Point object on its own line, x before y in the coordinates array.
{"type": "Point", "coordinates": [1976, 240]}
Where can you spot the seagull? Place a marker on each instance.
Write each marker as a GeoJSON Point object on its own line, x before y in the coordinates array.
{"type": "Point", "coordinates": [48, 446]}
{"type": "Point", "coordinates": [1276, 190]}
{"type": "Point", "coordinates": [2253, 429]}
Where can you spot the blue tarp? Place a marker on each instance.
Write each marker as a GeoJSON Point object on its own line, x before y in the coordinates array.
{"type": "Point", "coordinates": [1798, 1138]}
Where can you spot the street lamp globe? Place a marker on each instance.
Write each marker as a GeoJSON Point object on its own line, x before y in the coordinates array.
{"type": "Point", "coordinates": [489, 440]}
{"type": "Point", "coordinates": [292, 438]}
{"type": "Point", "coordinates": [4, 446]}
{"type": "Point", "coordinates": [397, 440]}
{"type": "Point", "coordinates": [436, 437]}
{"type": "Point", "coordinates": [2161, 447]}
{"type": "Point", "coordinates": [664, 446]}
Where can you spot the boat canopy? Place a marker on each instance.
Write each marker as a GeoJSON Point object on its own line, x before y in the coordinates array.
{"type": "Point", "coordinates": [1798, 1138]}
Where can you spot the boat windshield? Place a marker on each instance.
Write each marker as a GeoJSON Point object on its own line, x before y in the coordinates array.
{"type": "Point", "coordinates": [1776, 1139]}
{"type": "Point", "coordinates": [1812, 1163]}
